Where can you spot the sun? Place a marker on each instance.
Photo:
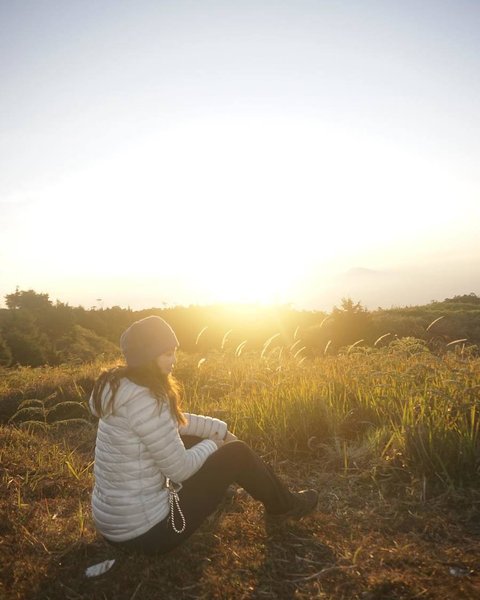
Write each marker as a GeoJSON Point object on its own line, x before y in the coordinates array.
{"type": "Point", "coordinates": [247, 281]}
{"type": "Point", "coordinates": [252, 209]}
{"type": "Point", "coordinates": [232, 210]}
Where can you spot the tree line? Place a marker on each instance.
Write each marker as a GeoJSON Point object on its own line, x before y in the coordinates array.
{"type": "Point", "coordinates": [36, 331]}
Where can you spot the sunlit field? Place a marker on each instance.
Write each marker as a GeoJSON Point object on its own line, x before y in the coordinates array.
{"type": "Point", "coordinates": [294, 188]}
{"type": "Point", "coordinates": [389, 436]}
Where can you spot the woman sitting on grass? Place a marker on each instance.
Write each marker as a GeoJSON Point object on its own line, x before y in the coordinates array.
{"type": "Point", "coordinates": [160, 472]}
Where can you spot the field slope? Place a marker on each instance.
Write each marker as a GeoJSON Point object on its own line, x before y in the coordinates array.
{"type": "Point", "coordinates": [388, 436]}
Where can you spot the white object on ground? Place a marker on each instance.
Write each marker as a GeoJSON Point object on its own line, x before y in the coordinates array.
{"type": "Point", "coordinates": [100, 568]}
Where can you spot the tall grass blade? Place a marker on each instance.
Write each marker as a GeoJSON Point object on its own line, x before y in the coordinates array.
{"type": "Point", "coordinates": [382, 337]}
{"type": "Point", "coordinates": [267, 344]}
{"type": "Point", "coordinates": [200, 334]}
{"type": "Point", "coordinates": [225, 338]}
{"type": "Point", "coordinates": [352, 346]}
{"type": "Point", "coordinates": [457, 341]}
{"type": "Point", "coordinates": [433, 322]}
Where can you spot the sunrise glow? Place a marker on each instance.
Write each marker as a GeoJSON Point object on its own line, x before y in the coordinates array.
{"type": "Point", "coordinates": [256, 167]}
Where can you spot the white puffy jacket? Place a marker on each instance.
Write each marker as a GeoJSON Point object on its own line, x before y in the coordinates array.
{"type": "Point", "coordinates": [138, 446]}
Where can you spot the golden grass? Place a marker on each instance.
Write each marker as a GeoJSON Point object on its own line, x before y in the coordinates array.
{"type": "Point", "coordinates": [388, 435]}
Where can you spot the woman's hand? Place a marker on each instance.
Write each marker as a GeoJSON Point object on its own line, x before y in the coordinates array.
{"type": "Point", "coordinates": [230, 437]}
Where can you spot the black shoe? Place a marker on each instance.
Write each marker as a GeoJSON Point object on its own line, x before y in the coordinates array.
{"type": "Point", "coordinates": [304, 503]}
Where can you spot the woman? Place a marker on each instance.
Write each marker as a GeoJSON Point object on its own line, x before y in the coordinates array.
{"type": "Point", "coordinates": [159, 472]}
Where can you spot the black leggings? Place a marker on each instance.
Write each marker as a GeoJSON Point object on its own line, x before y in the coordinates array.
{"type": "Point", "coordinates": [235, 462]}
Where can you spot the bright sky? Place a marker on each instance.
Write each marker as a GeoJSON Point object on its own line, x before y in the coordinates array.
{"type": "Point", "coordinates": [189, 152]}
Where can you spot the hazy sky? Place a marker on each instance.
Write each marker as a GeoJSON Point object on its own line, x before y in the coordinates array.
{"type": "Point", "coordinates": [190, 152]}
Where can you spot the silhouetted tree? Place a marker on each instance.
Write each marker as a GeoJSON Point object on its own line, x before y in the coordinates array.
{"type": "Point", "coordinates": [27, 299]}
{"type": "Point", "coordinates": [5, 353]}
{"type": "Point", "coordinates": [27, 344]}
{"type": "Point", "coordinates": [82, 344]}
{"type": "Point", "coordinates": [465, 299]}
{"type": "Point", "coordinates": [56, 322]}
{"type": "Point", "coordinates": [350, 323]}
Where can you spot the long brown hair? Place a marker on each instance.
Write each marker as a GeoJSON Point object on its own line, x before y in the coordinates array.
{"type": "Point", "coordinates": [161, 386]}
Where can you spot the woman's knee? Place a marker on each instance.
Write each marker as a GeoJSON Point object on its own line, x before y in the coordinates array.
{"type": "Point", "coordinates": [236, 450]}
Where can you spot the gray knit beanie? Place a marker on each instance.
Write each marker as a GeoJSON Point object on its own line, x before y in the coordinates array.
{"type": "Point", "coordinates": [146, 339]}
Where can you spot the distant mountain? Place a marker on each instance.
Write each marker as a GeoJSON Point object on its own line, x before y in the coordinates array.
{"type": "Point", "coordinates": [409, 285]}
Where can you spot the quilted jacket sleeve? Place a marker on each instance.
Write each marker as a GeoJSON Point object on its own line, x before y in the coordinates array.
{"type": "Point", "coordinates": [158, 431]}
{"type": "Point", "coordinates": [204, 427]}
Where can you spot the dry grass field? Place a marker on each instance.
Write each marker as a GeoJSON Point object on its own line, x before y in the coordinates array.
{"type": "Point", "coordinates": [389, 437]}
